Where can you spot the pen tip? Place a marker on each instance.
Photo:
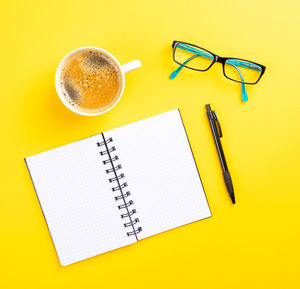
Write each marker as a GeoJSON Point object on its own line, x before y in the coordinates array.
{"type": "Point", "coordinates": [232, 198]}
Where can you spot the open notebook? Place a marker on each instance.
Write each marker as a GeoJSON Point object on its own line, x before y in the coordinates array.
{"type": "Point", "coordinates": [117, 187]}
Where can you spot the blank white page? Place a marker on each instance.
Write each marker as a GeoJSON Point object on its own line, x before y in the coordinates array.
{"type": "Point", "coordinates": [161, 173]}
{"type": "Point", "coordinates": [77, 200]}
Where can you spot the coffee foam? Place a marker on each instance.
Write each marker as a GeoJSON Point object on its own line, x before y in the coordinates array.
{"type": "Point", "coordinates": [91, 80]}
{"type": "Point", "coordinates": [69, 89]}
{"type": "Point", "coordinates": [95, 61]}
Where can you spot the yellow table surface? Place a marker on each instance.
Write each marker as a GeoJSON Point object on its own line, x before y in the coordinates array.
{"type": "Point", "coordinates": [253, 244]}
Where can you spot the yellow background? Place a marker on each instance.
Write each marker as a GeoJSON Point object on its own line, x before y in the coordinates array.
{"type": "Point", "coordinates": [254, 244]}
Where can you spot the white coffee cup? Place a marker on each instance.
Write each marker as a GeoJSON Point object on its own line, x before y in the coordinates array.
{"type": "Point", "coordinates": [125, 68]}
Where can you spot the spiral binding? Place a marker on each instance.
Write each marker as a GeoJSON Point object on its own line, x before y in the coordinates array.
{"type": "Point", "coordinates": [116, 177]}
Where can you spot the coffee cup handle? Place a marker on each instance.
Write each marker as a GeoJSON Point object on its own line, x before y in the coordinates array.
{"type": "Point", "coordinates": [130, 66]}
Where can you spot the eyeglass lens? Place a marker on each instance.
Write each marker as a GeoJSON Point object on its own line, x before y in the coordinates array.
{"type": "Point", "coordinates": [193, 57]}
{"type": "Point", "coordinates": [242, 70]}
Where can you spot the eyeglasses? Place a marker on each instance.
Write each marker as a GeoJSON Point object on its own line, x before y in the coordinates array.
{"type": "Point", "coordinates": [199, 59]}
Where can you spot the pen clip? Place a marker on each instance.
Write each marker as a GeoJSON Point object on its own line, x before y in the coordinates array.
{"type": "Point", "coordinates": [218, 123]}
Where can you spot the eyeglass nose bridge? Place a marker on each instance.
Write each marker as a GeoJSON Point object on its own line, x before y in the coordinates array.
{"type": "Point", "coordinates": [220, 59]}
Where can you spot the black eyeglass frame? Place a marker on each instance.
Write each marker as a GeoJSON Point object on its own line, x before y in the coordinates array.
{"type": "Point", "coordinates": [217, 58]}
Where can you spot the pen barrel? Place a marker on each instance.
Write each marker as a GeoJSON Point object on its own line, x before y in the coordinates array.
{"type": "Point", "coordinates": [228, 182]}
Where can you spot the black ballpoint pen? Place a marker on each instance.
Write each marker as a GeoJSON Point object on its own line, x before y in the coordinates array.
{"type": "Point", "coordinates": [217, 133]}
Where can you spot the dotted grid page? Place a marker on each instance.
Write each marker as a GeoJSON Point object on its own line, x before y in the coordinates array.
{"type": "Point", "coordinates": [161, 172]}
{"type": "Point", "coordinates": [77, 200]}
